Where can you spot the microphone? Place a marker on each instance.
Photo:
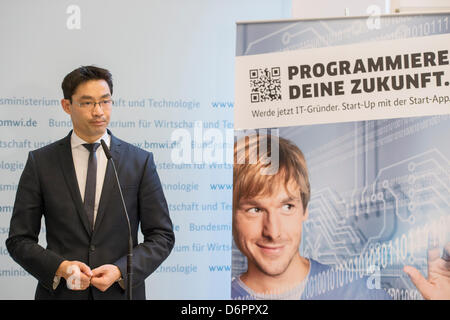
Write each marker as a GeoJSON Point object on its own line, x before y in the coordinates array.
{"type": "Point", "coordinates": [130, 239]}
{"type": "Point", "coordinates": [106, 150]}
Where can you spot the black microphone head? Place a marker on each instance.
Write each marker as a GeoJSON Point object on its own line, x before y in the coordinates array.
{"type": "Point", "coordinates": [105, 149]}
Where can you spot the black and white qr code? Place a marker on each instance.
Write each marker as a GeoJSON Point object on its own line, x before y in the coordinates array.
{"type": "Point", "coordinates": [265, 85]}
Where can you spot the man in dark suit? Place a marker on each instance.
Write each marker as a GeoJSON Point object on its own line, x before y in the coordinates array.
{"type": "Point", "coordinates": [71, 184]}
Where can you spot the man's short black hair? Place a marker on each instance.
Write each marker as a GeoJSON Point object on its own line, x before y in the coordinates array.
{"type": "Point", "coordinates": [83, 74]}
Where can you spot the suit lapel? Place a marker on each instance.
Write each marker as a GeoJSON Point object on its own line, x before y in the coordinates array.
{"type": "Point", "coordinates": [109, 183]}
{"type": "Point", "coordinates": [68, 169]}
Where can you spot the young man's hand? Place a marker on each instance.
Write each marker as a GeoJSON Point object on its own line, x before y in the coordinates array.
{"type": "Point", "coordinates": [437, 286]}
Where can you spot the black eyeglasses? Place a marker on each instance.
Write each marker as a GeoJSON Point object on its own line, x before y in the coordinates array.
{"type": "Point", "coordinates": [107, 103]}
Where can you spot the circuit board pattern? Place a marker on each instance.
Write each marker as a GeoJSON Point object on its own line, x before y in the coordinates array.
{"type": "Point", "coordinates": [379, 189]}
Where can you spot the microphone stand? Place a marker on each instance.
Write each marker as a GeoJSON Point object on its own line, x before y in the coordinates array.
{"type": "Point", "coordinates": [130, 239]}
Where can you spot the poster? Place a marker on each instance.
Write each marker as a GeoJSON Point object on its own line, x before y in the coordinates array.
{"type": "Point", "coordinates": [371, 119]}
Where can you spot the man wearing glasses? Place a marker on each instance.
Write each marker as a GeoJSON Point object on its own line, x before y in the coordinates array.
{"type": "Point", "coordinates": [71, 183]}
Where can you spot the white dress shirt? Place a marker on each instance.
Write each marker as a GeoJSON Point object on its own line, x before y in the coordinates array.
{"type": "Point", "coordinates": [80, 157]}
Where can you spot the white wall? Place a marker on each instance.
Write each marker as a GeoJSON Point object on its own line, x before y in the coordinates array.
{"type": "Point", "coordinates": [305, 9]}
{"type": "Point", "coordinates": [410, 6]}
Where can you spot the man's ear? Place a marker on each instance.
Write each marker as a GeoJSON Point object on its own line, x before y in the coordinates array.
{"type": "Point", "coordinates": [65, 103]}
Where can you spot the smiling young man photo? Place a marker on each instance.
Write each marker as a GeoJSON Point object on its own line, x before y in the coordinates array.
{"type": "Point", "coordinates": [268, 215]}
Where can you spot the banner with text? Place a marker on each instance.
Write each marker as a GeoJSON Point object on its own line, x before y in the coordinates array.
{"type": "Point", "coordinates": [361, 108]}
{"type": "Point", "coordinates": [401, 78]}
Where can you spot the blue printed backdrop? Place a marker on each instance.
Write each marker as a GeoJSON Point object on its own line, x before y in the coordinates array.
{"type": "Point", "coordinates": [173, 64]}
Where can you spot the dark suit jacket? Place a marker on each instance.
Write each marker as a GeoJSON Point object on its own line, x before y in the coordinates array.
{"type": "Point", "coordinates": [48, 186]}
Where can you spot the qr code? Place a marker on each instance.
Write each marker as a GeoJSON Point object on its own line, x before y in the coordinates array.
{"type": "Point", "coordinates": [265, 84]}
